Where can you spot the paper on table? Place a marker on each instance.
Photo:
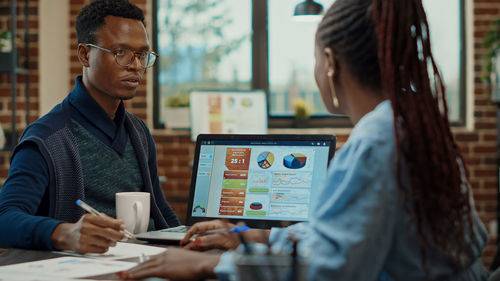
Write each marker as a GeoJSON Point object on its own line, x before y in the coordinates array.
{"type": "Point", "coordinates": [10, 275]}
{"type": "Point", "coordinates": [121, 251]}
{"type": "Point", "coordinates": [124, 250]}
{"type": "Point", "coordinates": [67, 267]}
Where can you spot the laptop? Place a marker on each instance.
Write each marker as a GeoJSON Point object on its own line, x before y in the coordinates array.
{"type": "Point", "coordinates": [262, 180]}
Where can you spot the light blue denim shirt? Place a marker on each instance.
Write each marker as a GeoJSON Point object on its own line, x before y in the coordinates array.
{"type": "Point", "coordinates": [359, 228]}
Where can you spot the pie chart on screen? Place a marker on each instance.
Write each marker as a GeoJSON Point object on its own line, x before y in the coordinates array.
{"type": "Point", "coordinates": [256, 206]}
{"type": "Point", "coordinates": [265, 159]}
{"type": "Point", "coordinates": [295, 161]}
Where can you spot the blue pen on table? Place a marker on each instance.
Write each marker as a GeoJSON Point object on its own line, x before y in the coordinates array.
{"type": "Point", "coordinates": [91, 210]}
{"type": "Point", "coordinates": [246, 247]}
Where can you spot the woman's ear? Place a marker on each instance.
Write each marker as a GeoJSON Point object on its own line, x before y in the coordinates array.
{"type": "Point", "coordinates": [83, 54]}
{"type": "Point", "coordinates": [331, 64]}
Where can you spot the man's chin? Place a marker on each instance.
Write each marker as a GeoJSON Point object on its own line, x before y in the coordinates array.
{"type": "Point", "coordinates": [125, 96]}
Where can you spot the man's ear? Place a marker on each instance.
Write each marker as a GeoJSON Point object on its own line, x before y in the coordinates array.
{"type": "Point", "coordinates": [331, 63]}
{"type": "Point", "coordinates": [83, 54]}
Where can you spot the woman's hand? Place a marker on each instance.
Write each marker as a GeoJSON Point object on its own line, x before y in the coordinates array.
{"type": "Point", "coordinates": [224, 241]}
{"type": "Point", "coordinates": [175, 264]}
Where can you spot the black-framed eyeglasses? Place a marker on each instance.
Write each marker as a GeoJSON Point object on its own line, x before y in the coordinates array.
{"type": "Point", "coordinates": [125, 57]}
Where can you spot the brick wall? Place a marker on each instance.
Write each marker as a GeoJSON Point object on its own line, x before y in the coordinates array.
{"type": "Point", "coordinates": [5, 78]}
{"type": "Point", "coordinates": [175, 150]}
{"type": "Point", "coordinates": [479, 147]}
{"type": "Point", "coordinates": [136, 106]}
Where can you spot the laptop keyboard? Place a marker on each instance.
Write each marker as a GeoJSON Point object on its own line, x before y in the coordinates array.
{"type": "Point", "coordinates": [181, 228]}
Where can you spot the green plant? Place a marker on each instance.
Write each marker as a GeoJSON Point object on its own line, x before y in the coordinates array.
{"type": "Point", "coordinates": [492, 43]}
{"type": "Point", "coordinates": [178, 101]}
{"type": "Point", "coordinates": [5, 40]}
{"type": "Point", "coordinates": [302, 109]}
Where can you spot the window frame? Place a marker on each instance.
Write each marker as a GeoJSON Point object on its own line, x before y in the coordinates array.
{"type": "Point", "coordinates": [155, 69]}
{"type": "Point", "coordinates": [463, 68]}
{"type": "Point", "coordinates": [260, 72]}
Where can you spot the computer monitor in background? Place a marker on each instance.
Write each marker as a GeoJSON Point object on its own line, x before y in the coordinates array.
{"type": "Point", "coordinates": [228, 112]}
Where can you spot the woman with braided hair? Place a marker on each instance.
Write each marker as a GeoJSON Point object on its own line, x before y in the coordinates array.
{"type": "Point", "coordinates": [396, 204]}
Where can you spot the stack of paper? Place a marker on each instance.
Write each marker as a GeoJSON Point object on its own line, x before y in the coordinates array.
{"type": "Point", "coordinates": [78, 266]}
{"type": "Point", "coordinates": [65, 267]}
{"type": "Point", "coordinates": [127, 250]}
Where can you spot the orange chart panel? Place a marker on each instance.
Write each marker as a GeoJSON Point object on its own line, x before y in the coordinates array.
{"type": "Point", "coordinates": [233, 192]}
{"type": "Point", "coordinates": [238, 158]}
{"type": "Point", "coordinates": [231, 211]}
{"type": "Point", "coordinates": [229, 201]}
{"type": "Point", "coordinates": [215, 104]}
{"type": "Point", "coordinates": [215, 114]}
{"type": "Point", "coordinates": [236, 175]}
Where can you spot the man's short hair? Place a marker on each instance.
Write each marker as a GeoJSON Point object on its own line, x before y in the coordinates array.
{"type": "Point", "coordinates": [91, 17]}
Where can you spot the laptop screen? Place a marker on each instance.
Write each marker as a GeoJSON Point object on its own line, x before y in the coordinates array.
{"type": "Point", "coordinates": [261, 179]}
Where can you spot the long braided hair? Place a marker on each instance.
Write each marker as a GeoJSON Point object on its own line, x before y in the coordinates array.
{"type": "Point", "coordinates": [386, 46]}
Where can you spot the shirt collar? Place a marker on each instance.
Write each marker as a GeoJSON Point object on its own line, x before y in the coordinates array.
{"type": "Point", "coordinates": [89, 109]}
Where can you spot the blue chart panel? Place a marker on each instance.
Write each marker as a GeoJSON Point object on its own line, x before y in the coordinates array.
{"type": "Point", "coordinates": [295, 161]}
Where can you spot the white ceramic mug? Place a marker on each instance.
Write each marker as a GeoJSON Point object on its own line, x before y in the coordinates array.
{"type": "Point", "coordinates": [133, 208]}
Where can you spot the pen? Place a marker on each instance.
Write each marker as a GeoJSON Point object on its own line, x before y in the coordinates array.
{"type": "Point", "coordinates": [246, 247]}
{"type": "Point", "coordinates": [143, 258]}
{"type": "Point", "coordinates": [236, 229]}
{"type": "Point", "coordinates": [91, 210]}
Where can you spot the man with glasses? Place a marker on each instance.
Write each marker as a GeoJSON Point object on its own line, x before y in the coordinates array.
{"type": "Point", "coordinates": [88, 147]}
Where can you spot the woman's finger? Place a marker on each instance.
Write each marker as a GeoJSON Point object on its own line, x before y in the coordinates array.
{"type": "Point", "coordinates": [197, 228]}
{"type": "Point", "coordinates": [149, 268]}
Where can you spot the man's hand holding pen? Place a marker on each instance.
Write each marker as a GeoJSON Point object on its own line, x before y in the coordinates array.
{"type": "Point", "coordinates": [91, 234]}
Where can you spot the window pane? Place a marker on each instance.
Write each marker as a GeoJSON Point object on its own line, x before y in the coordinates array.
{"type": "Point", "coordinates": [206, 44]}
{"type": "Point", "coordinates": [291, 59]}
{"type": "Point", "coordinates": [291, 55]}
{"type": "Point", "coordinates": [203, 44]}
{"type": "Point", "coordinates": [444, 23]}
